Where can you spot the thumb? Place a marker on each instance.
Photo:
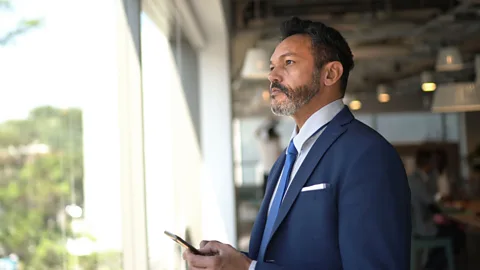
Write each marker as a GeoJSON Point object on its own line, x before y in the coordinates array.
{"type": "Point", "coordinates": [210, 248]}
{"type": "Point", "coordinates": [203, 243]}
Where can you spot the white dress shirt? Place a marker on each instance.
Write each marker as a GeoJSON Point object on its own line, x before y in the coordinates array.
{"type": "Point", "coordinates": [303, 140]}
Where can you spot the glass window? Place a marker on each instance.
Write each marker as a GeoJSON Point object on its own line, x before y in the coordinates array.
{"type": "Point", "coordinates": [187, 65]}
{"type": "Point", "coordinates": [367, 119]}
{"type": "Point", "coordinates": [410, 127]}
{"type": "Point", "coordinates": [59, 146]}
{"type": "Point", "coordinates": [452, 127]}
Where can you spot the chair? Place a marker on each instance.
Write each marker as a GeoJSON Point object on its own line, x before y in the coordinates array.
{"type": "Point", "coordinates": [425, 244]}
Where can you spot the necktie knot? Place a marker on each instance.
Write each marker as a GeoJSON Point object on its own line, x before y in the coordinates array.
{"type": "Point", "coordinates": [291, 150]}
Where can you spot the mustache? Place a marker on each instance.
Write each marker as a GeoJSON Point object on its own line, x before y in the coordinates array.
{"type": "Point", "coordinates": [281, 87]}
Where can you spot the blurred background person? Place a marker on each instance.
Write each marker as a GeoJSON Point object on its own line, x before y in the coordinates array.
{"type": "Point", "coordinates": [423, 199]}
{"type": "Point", "coordinates": [427, 218]}
{"type": "Point", "coordinates": [269, 146]}
{"type": "Point", "coordinates": [442, 178]}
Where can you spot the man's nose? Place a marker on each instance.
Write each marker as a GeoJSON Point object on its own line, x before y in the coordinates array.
{"type": "Point", "coordinates": [273, 76]}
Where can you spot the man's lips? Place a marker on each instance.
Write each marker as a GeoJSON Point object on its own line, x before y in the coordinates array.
{"type": "Point", "coordinates": [275, 91]}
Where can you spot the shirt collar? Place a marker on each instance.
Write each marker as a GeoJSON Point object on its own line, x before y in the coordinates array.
{"type": "Point", "coordinates": [315, 121]}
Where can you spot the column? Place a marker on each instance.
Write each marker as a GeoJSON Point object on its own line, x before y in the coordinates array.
{"type": "Point", "coordinates": [218, 196]}
{"type": "Point", "coordinates": [130, 108]}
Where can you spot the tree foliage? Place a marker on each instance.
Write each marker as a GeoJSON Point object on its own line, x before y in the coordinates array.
{"type": "Point", "coordinates": [35, 185]}
{"type": "Point", "coordinates": [21, 27]}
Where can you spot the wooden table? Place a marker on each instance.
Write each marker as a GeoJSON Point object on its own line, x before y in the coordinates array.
{"type": "Point", "coordinates": [466, 219]}
{"type": "Point", "coordinates": [474, 206]}
{"type": "Point", "coordinates": [468, 216]}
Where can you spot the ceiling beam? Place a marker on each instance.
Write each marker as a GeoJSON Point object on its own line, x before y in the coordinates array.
{"type": "Point", "coordinates": [346, 22]}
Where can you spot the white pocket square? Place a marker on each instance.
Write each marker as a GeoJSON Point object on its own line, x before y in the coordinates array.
{"type": "Point", "coordinates": [316, 187]}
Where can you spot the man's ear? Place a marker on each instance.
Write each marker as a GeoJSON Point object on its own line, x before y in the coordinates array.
{"type": "Point", "coordinates": [333, 73]}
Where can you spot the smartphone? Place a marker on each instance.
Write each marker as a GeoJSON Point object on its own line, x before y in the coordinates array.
{"type": "Point", "coordinates": [177, 239]}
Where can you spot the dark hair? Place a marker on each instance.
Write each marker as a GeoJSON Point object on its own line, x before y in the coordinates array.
{"type": "Point", "coordinates": [327, 44]}
{"type": "Point", "coordinates": [423, 157]}
{"type": "Point", "coordinates": [441, 159]}
{"type": "Point", "coordinates": [272, 133]}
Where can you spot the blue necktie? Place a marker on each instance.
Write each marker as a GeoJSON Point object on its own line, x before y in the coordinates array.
{"type": "Point", "coordinates": [277, 200]}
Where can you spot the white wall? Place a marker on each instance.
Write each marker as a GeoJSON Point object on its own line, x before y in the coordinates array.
{"type": "Point", "coordinates": [218, 201]}
{"type": "Point", "coordinates": [130, 118]}
{"type": "Point", "coordinates": [187, 187]}
{"type": "Point", "coordinates": [172, 154]}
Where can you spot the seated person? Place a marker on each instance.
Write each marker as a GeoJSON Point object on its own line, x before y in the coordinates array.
{"type": "Point", "coordinates": [424, 210]}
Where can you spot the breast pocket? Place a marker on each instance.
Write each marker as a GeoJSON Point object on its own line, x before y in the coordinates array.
{"type": "Point", "coordinates": [322, 191]}
{"type": "Point", "coordinates": [314, 216]}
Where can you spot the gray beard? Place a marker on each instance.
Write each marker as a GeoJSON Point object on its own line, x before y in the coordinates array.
{"type": "Point", "coordinates": [295, 100]}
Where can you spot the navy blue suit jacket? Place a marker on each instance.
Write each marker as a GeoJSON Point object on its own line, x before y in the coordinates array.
{"type": "Point", "coordinates": [360, 221]}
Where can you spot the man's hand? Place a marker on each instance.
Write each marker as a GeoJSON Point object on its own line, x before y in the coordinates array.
{"type": "Point", "coordinates": [222, 257]}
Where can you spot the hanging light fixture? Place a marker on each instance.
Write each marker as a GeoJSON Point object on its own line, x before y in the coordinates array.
{"type": "Point", "coordinates": [449, 59]}
{"type": "Point", "coordinates": [428, 84]}
{"type": "Point", "coordinates": [459, 97]}
{"type": "Point", "coordinates": [256, 64]}
{"type": "Point", "coordinates": [382, 93]}
{"type": "Point", "coordinates": [353, 103]}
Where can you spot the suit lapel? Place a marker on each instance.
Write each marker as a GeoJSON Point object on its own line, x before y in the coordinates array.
{"type": "Point", "coordinates": [333, 131]}
{"type": "Point", "coordinates": [259, 226]}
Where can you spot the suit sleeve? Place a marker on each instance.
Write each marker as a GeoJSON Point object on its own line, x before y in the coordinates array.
{"type": "Point", "coordinates": [268, 266]}
{"type": "Point", "coordinates": [245, 253]}
{"type": "Point", "coordinates": [374, 217]}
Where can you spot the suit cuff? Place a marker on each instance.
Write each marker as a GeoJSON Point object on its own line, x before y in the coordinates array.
{"type": "Point", "coordinates": [252, 265]}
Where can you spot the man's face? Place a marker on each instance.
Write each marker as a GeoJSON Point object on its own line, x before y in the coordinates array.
{"type": "Point", "coordinates": [294, 80]}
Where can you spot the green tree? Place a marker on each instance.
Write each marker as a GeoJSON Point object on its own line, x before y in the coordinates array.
{"type": "Point", "coordinates": [35, 187]}
{"type": "Point", "coordinates": [22, 26]}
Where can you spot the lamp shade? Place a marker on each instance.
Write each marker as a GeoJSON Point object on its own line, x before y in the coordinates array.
{"type": "Point", "coordinates": [457, 97]}
{"type": "Point", "coordinates": [449, 59]}
{"type": "Point", "coordinates": [256, 64]}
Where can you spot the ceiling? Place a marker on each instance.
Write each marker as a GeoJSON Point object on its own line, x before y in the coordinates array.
{"type": "Point", "coordinates": [392, 42]}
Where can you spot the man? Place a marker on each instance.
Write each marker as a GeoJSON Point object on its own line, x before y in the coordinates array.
{"type": "Point", "coordinates": [338, 197]}
{"type": "Point", "coordinates": [441, 173]}
{"type": "Point", "coordinates": [423, 197]}
{"type": "Point", "coordinates": [427, 219]}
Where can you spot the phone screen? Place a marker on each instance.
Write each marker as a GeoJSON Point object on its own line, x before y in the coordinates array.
{"type": "Point", "coordinates": [182, 242]}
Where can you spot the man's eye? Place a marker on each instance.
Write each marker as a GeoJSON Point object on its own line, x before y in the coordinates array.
{"type": "Point", "coordinates": [288, 62]}
{"type": "Point", "coordinates": [271, 68]}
